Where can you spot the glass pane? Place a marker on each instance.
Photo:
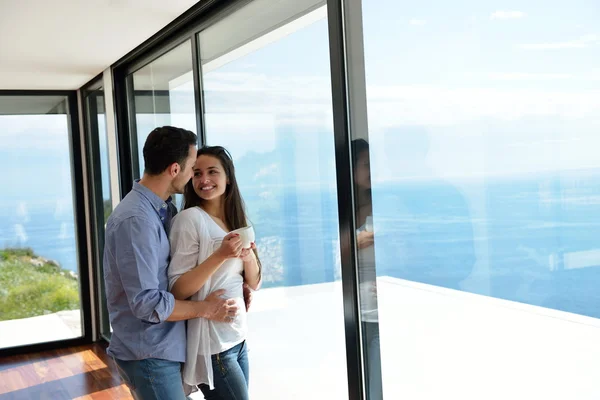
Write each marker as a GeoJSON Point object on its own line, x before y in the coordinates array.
{"type": "Point", "coordinates": [164, 95]}
{"type": "Point", "coordinates": [267, 100]}
{"type": "Point", "coordinates": [39, 284]}
{"type": "Point", "coordinates": [102, 195]}
{"type": "Point", "coordinates": [103, 156]}
{"type": "Point", "coordinates": [482, 183]}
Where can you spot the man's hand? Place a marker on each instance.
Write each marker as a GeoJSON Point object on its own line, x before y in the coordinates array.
{"type": "Point", "coordinates": [247, 296]}
{"type": "Point", "coordinates": [219, 309]}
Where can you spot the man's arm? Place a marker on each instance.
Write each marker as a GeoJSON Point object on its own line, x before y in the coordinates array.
{"type": "Point", "coordinates": [247, 296]}
{"type": "Point", "coordinates": [213, 307]}
{"type": "Point", "coordinates": [136, 262]}
{"type": "Point", "coordinates": [136, 259]}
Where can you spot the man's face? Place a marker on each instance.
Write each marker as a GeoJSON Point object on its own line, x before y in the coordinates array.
{"type": "Point", "coordinates": [186, 172]}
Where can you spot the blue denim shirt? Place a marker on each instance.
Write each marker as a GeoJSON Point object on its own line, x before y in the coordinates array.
{"type": "Point", "coordinates": [136, 257]}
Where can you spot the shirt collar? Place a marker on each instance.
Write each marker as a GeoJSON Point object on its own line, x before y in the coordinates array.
{"type": "Point", "coordinates": [158, 204]}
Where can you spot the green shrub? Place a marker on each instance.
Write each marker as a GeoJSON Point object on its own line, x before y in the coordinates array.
{"type": "Point", "coordinates": [19, 252]}
{"type": "Point", "coordinates": [107, 209]}
{"type": "Point", "coordinates": [27, 290]}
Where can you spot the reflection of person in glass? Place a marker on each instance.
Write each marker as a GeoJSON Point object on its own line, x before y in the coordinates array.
{"type": "Point", "coordinates": [366, 266]}
{"type": "Point", "coordinates": [205, 258]}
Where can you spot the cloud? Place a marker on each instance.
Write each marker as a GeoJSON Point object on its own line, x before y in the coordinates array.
{"type": "Point", "coordinates": [431, 105]}
{"type": "Point", "coordinates": [266, 104]}
{"type": "Point", "coordinates": [47, 132]}
{"type": "Point", "coordinates": [533, 143]}
{"type": "Point", "coordinates": [270, 169]}
{"type": "Point", "coordinates": [507, 15]}
{"type": "Point", "coordinates": [417, 22]}
{"type": "Point", "coordinates": [583, 42]}
{"type": "Point", "coordinates": [514, 76]}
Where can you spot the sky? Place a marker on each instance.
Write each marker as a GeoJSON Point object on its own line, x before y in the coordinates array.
{"type": "Point", "coordinates": [494, 88]}
{"type": "Point", "coordinates": [487, 88]}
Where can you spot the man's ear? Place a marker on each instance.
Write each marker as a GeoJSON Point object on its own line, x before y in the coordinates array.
{"type": "Point", "coordinates": [174, 169]}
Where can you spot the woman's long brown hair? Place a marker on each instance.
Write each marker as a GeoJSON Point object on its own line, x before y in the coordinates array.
{"type": "Point", "coordinates": [235, 209]}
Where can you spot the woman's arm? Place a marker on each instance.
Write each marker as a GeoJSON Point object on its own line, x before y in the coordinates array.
{"type": "Point", "coordinates": [252, 273]}
{"type": "Point", "coordinates": [193, 280]}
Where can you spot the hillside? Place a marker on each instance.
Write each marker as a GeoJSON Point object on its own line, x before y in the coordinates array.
{"type": "Point", "coordinates": [31, 285]}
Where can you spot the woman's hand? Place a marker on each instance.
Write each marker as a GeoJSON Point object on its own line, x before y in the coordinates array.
{"type": "Point", "coordinates": [231, 247]}
{"type": "Point", "coordinates": [248, 254]}
{"type": "Point", "coordinates": [365, 239]}
{"type": "Point", "coordinates": [252, 273]}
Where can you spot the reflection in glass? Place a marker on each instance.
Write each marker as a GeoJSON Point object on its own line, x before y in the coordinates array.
{"type": "Point", "coordinates": [103, 156]}
{"type": "Point", "coordinates": [485, 181]}
{"type": "Point", "coordinates": [100, 168]}
{"type": "Point", "coordinates": [39, 285]}
{"type": "Point", "coordinates": [164, 95]}
{"type": "Point", "coordinates": [97, 128]}
{"type": "Point", "coordinates": [267, 99]}
{"type": "Point", "coordinates": [365, 240]}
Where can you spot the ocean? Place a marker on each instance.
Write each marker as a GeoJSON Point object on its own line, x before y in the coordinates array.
{"type": "Point", "coordinates": [533, 239]}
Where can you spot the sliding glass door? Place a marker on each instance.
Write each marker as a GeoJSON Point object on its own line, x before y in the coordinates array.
{"type": "Point", "coordinates": [476, 195]}
{"type": "Point", "coordinates": [267, 99]}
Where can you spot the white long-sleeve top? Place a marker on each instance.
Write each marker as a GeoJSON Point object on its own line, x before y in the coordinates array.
{"type": "Point", "coordinates": [367, 286]}
{"type": "Point", "coordinates": [194, 237]}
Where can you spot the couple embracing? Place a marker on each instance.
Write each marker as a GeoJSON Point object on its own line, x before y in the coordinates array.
{"type": "Point", "coordinates": [162, 270]}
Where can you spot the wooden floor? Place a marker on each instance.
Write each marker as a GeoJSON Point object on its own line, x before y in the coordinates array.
{"type": "Point", "coordinates": [84, 372]}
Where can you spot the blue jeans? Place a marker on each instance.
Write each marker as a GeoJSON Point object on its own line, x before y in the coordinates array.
{"type": "Point", "coordinates": [230, 375]}
{"type": "Point", "coordinates": [152, 379]}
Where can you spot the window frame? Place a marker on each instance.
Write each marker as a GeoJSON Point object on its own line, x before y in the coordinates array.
{"type": "Point", "coordinates": [78, 195]}
{"type": "Point", "coordinates": [96, 201]}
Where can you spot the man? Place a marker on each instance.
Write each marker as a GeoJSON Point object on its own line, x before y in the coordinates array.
{"type": "Point", "coordinates": [148, 341]}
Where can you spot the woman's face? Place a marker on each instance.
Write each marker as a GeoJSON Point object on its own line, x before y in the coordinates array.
{"type": "Point", "coordinates": [362, 171]}
{"type": "Point", "coordinates": [209, 180]}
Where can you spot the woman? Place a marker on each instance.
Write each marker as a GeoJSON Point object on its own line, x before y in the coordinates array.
{"type": "Point", "coordinates": [205, 258]}
{"type": "Point", "coordinates": [366, 266]}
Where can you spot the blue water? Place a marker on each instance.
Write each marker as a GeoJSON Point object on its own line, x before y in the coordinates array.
{"type": "Point", "coordinates": [530, 240]}
{"type": "Point", "coordinates": [50, 236]}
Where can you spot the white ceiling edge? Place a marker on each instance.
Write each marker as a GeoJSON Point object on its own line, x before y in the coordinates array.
{"type": "Point", "coordinates": [63, 44]}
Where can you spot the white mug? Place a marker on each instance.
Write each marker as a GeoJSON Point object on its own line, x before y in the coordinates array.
{"type": "Point", "coordinates": [246, 235]}
{"type": "Point", "coordinates": [369, 224]}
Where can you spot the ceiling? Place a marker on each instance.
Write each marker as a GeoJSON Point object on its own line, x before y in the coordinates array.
{"type": "Point", "coordinates": [62, 44]}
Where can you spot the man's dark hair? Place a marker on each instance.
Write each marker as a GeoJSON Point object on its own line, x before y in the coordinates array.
{"type": "Point", "coordinates": [167, 145]}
